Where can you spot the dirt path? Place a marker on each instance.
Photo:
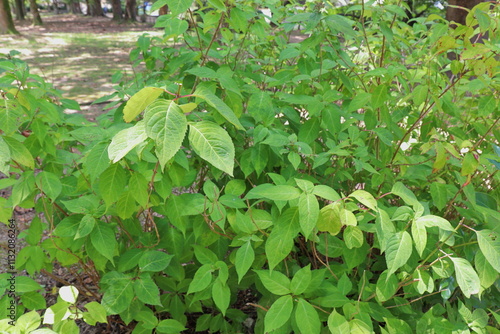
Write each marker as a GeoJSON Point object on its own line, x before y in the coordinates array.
{"type": "Point", "coordinates": [77, 54]}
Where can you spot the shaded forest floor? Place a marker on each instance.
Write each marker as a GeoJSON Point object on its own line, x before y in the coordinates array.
{"type": "Point", "coordinates": [77, 54]}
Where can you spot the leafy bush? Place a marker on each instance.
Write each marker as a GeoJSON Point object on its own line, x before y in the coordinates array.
{"type": "Point", "coordinates": [343, 178]}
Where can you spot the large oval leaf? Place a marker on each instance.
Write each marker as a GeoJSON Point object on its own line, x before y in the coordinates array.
{"type": "Point", "coordinates": [467, 278]}
{"type": "Point", "coordinates": [213, 144]}
{"type": "Point", "coordinates": [399, 248]}
{"type": "Point", "coordinates": [166, 125]}
{"type": "Point", "coordinates": [125, 140]}
{"type": "Point", "coordinates": [139, 101]}
{"type": "Point", "coordinates": [279, 313]}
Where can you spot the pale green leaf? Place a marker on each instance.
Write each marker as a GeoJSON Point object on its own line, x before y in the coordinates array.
{"type": "Point", "coordinates": [221, 295]}
{"type": "Point", "coordinates": [278, 314]}
{"type": "Point", "coordinates": [365, 198]}
{"type": "Point", "coordinates": [326, 192]}
{"type": "Point", "coordinates": [308, 213]}
{"type": "Point", "coordinates": [170, 326]}
{"type": "Point", "coordinates": [202, 279]}
{"type": "Point", "coordinates": [467, 278]}
{"type": "Point", "coordinates": [86, 226]}
{"type": "Point", "coordinates": [4, 157]}
{"type": "Point", "coordinates": [435, 221]}
{"type": "Point", "coordinates": [219, 105]}
{"type": "Point", "coordinates": [112, 183]}
{"type": "Point", "coordinates": [245, 256]}
{"type": "Point", "coordinates": [126, 140]}
{"type": "Point", "coordinates": [353, 237]}
{"type": "Point", "coordinates": [19, 153]}
{"type": "Point", "coordinates": [399, 248]}
{"type": "Point", "coordinates": [489, 243]}
{"type": "Point", "coordinates": [329, 219]}
{"type": "Point", "coordinates": [213, 144]}
{"type": "Point", "coordinates": [307, 318]}
{"type": "Point", "coordinates": [126, 206]}
{"type": "Point", "coordinates": [274, 281]}
{"type": "Point", "coordinates": [301, 280]}
{"type": "Point", "coordinates": [139, 101]}
{"type": "Point", "coordinates": [408, 197]}
{"type": "Point", "coordinates": [281, 240]}
{"type": "Point", "coordinates": [96, 313]}
{"type": "Point", "coordinates": [154, 261]}
{"type": "Point", "coordinates": [49, 183]}
{"type": "Point", "coordinates": [146, 290]}
{"type": "Point", "coordinates": [167, 126]}
{"type": "Point", "coordinates": [386, 287]}
{"type": "Point", "coordinates": [97, 161]}
{"type": "Point", "coordinates": [104, 240]}
{"type": "Point", "coordinates": [337, 323]}
{"type": "Point", "coordinates": [419, 234]}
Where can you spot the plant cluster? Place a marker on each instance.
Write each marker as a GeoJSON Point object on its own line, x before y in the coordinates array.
{"type": "Point", "coordinates": [300, 172]}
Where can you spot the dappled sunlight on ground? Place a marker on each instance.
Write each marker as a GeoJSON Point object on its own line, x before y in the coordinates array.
{"type": "Point", "coordinates": [77, 54]}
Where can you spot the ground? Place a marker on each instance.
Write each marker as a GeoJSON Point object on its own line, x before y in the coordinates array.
{"type": "Point", "coordinates": [64, 51]}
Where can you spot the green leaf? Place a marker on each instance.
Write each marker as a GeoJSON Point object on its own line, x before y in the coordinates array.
{"type": "Point", "coordinates": [221, 295]}
{"type": "Point", "coordinates": [213, 144]}
{"type": "Point", "coordinates": [118, 297]}
{"type": "Point", "coordinates": [26, 284]}
{"type": "Point", "coordinates": [245, 256]}
{"type": "Point", "coordinates": [489, 243]}
{"type": "Point", "coordinates": [379, 96]}
{"type": "Point", "coordinates": [85, 227]}
{"type": "Point", "coordinates": [112, 183]}
{"type": "Point", "coordinates": [353, 237]}
{"type": "Point", "coordinates": [170, 326]}
{"type": "Point", "coordinates": [337, 323]}
{"type": "Point", "coordinates": [487, 274]}
{"type": "Point", "coordinates": [274, 281]}
{"type": "Point", "coordinates": [469, 164]}
{"type": "Point", "coordinates": [419, 234]}
{"type": "Point", "coordinates": [96, 161]}
{"type": "Point", "coordinates": [166, 125]}
{"type": "Point", "coordinates": [260, 106]}
{"type": "Point", "coordinates": [146, 290]}
{"type": "Point", "coordinates": [274, 193]}
{"type": "Point", "coordinates": [96, 313]}
{"type": "Point", "coordinates": [329, 219]}
{"type": "Point", "coordinates": [202, 279]}
{"type": "Point", "coordinates": [408, 197]}
{"type": "Point", "coordinates": [219, 105]}
{"type": "Point", "coordinates": [387, 285]}
{"type": "Point", "coordinates": [4, 157]}
{"type": "Point", "coordinates": [154, 261]}
{"type": "Point", "coordinates": [126, 206]}
{"type": "Point", "coordinates": [126, 140]}
{"type": "Point", "coordinates": [49, 183]}
{"type": "Point", "coordinates": [139, 101]}
{"type": "Point", "coordinates": [19, 153]}
{"type": "Point", "coordinates": [138, 186]}
{"type": "Point", "coordinates": [365, 198]}
{"type": "Point", "coordinates": [307, 318]}
{"type": "Point", "coordinates": [399, 248]}
{"type": "Point", "coordinates": [281, 240]}
{"type": "Point", "coordinates": [439, 195]}
{"type": "Point", "coordinates": [301, 280]}
{"type": "Point", "coordinates": [326, 192]}
{"type": "Point", "coordinates": [279, 313]}
{"type": "Point", "coordinates": [33, 301]}
{"type": "Point", "coordinates": [435, 221]}
{"type": "Point", "coordinates": [467, 278]}
{"type": "Point", "coordinates": [104, 240]}
{"type": "Point", "coordinates": [308, 213]}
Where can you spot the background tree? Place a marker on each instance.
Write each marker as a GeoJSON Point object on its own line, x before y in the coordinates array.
{"type": "Point", "coordinates": [130, 10]}
{"type": "Point", "coordinates": [19, 10]}
{"type": "Point", "coordinates": [37, 19]}
{"type": "Point", "coordinates": [6, 22]}
{"type": "Point", "coordinates": [96, 8]}
{"type": "Point", "coordinates": [117, 10]}
{"type": "Point", "coordinates": [74, 6]}
{"type": "Point", "coordinates": [458, 15]}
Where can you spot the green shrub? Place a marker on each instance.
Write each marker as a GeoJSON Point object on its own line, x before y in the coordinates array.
{"type": "Point", "coordinates": [343, 179]}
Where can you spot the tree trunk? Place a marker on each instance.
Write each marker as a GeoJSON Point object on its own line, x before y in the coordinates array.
{"type": "Point", "coordinates": [458, 15]}
{"type": "Point", "coordinates": [96, 8]}
{"type": "Point", "coordinates": [19, 10]}
{"type": "Point", "coordinates": [130, 10]}
{"type": "Point", "coordinates": [6, 22]}
{"type": "Point", "coordinates": [75, 7]}
{"type": "Point", "coordinates": [117, 10]}
{"type": "Point", "coordinates": [37, 19]}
